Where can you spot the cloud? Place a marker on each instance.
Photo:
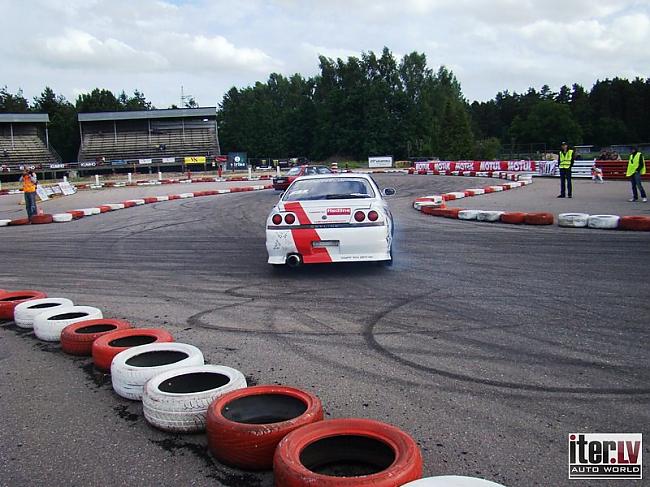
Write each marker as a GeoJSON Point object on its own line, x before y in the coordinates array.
{"type": "Point", "coordinates": [211, 45]}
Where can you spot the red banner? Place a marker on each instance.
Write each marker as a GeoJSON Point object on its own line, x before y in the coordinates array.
{"type": "Point", "coordinates": [477, 166]}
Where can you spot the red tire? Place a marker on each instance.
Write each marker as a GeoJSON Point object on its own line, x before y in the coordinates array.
{"type": "Point", "coordinates": [78, 338]}
{"type": "Point", "coordinates": [636, 223]}
{"type": "Point", "coordinates": [42, 219]}
{"type": "Point", "coordinates": [516, 218]}
{"type": "Point", "coordinates": [19, 221]}
{"type": "Point", "coordinates": [76, 214]}
{"type": "Point", "coordinates": [489, 190]}
{"type": "Point", "coordinates": [174, 197]}
{"type": "Point", "coordinates": [245, 426]}
{"type": "Point", "coordinates": [106, 347]}
{"type": "Point", "coordinates": [128, 204]}
{"type": "Point", "coordinates": [148, 201]}
{"type": "Point", "coordinates": [347, 452]}
{"type": "Point", "coordinates": [9, 300]}
{"type": "Point", "coordinates": [429, 210]}
{"type": "Point", "coordinates": [105, 209]}
{"type": "Point", "coordinates": [453, 213]}
{"type": "Point", "coordinates": [448, 197]}
{"type": "Point", "coordinates": [539, 219]}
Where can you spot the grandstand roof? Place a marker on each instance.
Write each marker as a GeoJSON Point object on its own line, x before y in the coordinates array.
{"type": "Point", "coordinates": [148, 114]}
{"type": "Point", "coordinates": [24, 118]}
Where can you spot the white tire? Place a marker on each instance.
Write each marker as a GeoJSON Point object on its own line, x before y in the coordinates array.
{"type": "Point", "coordinates": [477, 191]}
{"type": "Point", "coordinates": [49, 324]}
{"type": "Point", "coordinates": [136, 202]}
{"type": "Point", "coordinates": [496, 189]}
{"type": "Point", "coordinates": [95, 211]}
{"type": "Point", "coordinates": [186, 195]}
{"type": "Point", "coordinates": [132, 368]}
{"type": "Point", "coordinates": [61, 217]}
{"type": "Point", "coordinates": [468, 214]}
{"type": "Point", "coordinates": [116, 206]}
{"type": "Point", "coordinates": [608, 222]}
{"type": "Point", "coordinates": [178, 400]}
{"type": "Point", "coordinates": [577, 220]}
{"type": "Point", "coordinates": [513, 185]}
{"type": "Point", "coordinates": [457, 195]}
{"type": "Point", "coordinates": [452, 481]}
{"type": "Point", "coordinates": [25, 313]}
{"type": "Point", "coordinates": [162, 198]}
{"type": "Point", "coordinates": [4, 223]}
{"type": "Point", "coordinates": [489, 216]}
{"type": "Point", "coordinates": [223, 191]}
{"type": "Point", "coordinates": [86, 211]}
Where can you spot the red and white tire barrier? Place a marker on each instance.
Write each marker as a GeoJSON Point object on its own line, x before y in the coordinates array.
{"type": "Point", "coordinates": [87, 212]}
{"type": "Point", "coordinates": [132, 368]}
{"type": "Point", "coordinates": [347, 452]}
{"type": "Point", "coordinates": [106, 347]}
{"type": "Point", "coordinates": [245, 426]}
{"type": "Point", "coordinates": [78, 338]}
{"type": "Point", "coordinates": [177, 400]}
{"type": "Point", "coordinates": [10, 299]}
{"type": "Point", "coordinates": [49, 324]}
{"type": "Point", "coordinates": [25, 313]}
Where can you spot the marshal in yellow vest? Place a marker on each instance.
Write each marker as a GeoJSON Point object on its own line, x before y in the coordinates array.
{"type": "Point", "coordinates": [633, 164]}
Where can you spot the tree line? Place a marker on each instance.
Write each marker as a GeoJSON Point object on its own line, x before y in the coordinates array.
{"type": "Point", "coordinates": [376, 104]}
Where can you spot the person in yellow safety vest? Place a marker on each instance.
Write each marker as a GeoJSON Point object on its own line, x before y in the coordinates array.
{"type": "Point", "coordinates": [636, 169]}
{"type": "Point", "coordinates": [29, 181]}
{"type": "Point", "coordinates": [565, 162]}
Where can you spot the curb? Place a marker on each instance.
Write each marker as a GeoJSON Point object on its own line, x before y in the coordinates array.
{"type": "Point", "coordinates": [435, 206]}
{"type": "Point", "coordinates": [107, 208]}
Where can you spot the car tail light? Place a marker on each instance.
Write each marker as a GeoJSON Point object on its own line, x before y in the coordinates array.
{"type": "Point", "coordinates": [277, 219]}
{"type": "Point", "coordinates": [373, 216]}
{"type": "Point", "coordinates": [289, 218]}
{"type": "Point", "coordinates": [359, 216]}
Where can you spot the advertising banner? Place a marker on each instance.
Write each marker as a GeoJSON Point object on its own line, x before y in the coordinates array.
{"type": "Point", "coordinates": [168, 160]}
{"type": "Point", "coordinates": [67, 189]}
{"type": "Point", "coordinates": [477, 166]}
{"type": "Point", "coordinates": [195, 160]}
{"type": "Point", "coordinates": [383, 161]}
{"type": "Point", "coordinates": [118, 163]}
{"type": "Point", "coordinates": [57, 166]}
{"type": "Point", "coordinates": [144, 161]}
{"type": "Point", "coordinates": [237, 160]}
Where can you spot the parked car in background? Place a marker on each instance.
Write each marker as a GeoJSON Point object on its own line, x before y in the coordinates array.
{"type": "Point", "coordinates": [281, 183]}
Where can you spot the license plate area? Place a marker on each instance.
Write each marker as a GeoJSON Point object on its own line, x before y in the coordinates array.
{"type": "Point", "coordinates": [325, 243]}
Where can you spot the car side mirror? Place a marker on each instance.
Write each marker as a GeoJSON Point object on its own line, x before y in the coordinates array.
{"type": "Point", "coordinates": [389, 191]}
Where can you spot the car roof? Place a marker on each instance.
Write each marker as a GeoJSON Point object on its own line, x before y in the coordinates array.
{"type": "Point", "coordinates": [348, 175]}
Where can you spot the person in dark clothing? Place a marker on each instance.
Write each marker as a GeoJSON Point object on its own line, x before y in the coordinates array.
{"type": "Point", "coordinates": [635, 169]}
{"type": "Point", "coordinates": [565, 163]}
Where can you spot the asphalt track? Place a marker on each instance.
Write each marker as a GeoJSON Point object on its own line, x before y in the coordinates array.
{"type": "Point", "coordinates": [488, 343]}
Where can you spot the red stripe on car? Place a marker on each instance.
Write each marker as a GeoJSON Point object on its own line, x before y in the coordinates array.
{"type": "Point", "coordinates": [304, 237]}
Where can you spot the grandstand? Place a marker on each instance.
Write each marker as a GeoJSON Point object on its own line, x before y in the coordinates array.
{"type": "Point", "coordinates": [24, 139]}
{"type": "Point", "coordinates": [154, 136]}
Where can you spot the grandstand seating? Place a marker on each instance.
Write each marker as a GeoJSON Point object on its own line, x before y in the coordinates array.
{"type": "Point", "coordinates": [166, 139]}
{"type": "Point", "coordinates": [28, 148]}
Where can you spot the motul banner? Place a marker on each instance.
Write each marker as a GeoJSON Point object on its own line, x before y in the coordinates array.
{"type": "Point", "coordinates": [477, 166]}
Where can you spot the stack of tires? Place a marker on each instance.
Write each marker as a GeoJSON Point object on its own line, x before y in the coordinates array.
{"type": "Point", "coordinates": [252, 428]}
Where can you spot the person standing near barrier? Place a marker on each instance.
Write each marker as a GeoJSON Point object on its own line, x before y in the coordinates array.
{"type": "Point", "coordinates": [636, 169]}
{"type": "Point", "coordinates": [565, 163]}
{"type": "Point", "coordinates": [29, 182]}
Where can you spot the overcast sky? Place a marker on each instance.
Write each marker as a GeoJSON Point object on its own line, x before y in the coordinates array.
{"type": "Point", "coordinates": [209, 46]}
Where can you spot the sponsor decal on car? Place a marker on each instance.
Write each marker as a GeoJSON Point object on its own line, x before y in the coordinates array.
{"type": "Point", "coordinates": [338, 211]}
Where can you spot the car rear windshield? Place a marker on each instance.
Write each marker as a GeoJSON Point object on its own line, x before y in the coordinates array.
{"type": "Point", "coordinates": [329, 189]}
{"type": "Point", "coordinates": [294, 171]}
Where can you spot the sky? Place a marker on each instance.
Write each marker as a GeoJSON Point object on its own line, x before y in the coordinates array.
{"type": "Point", "coordinates": [208, 46]}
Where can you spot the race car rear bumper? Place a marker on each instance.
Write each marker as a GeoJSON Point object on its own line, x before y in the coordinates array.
{"type": "Point", "coordinates": [325, 245]}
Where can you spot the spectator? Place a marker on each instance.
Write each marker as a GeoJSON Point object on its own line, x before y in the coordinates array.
{"type": "Point", "coordinates": [30, 182]}
{"type": "Point", "coordinates": [566, 160]}
{"type": "Point", "coordinates": [636, 169]}
{"type": "Point", "coordinates": [597, 175]}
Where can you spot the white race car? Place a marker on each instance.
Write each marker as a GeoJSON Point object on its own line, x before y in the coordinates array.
{"type": "Point", "coordinates": [330, 218]}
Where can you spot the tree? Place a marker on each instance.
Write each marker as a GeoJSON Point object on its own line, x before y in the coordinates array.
{"type": "Point", "coordinates": [63, 128]}
{"type": "Point", "coordinates": [547, 122]}
{"type": "Point", "coordinates": [13, 103]}
{"type": "Point", "coordinates": [98, 100]}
